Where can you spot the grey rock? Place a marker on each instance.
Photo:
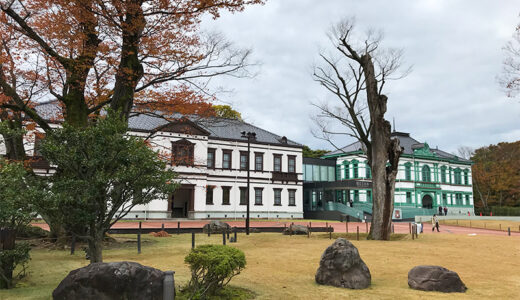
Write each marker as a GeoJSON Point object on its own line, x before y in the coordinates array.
{"type": "Point", "coordinates": [341, 266]}
{"type": "Point", "coordinates": [112, 281]}
{"type": "Point", "coordinates": [216, 227]}
{"type": "Point", "coordinates": [296, 229]}
{"type": "Point", "coordinates": [435, 278]}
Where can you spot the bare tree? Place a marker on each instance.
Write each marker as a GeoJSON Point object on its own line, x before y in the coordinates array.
{"type": "Point", "coordinates": [356, 75]}
{"type": "Point", "coordinates": [465, 152]}
{"type": "Point", "coordinates": [509, 79]}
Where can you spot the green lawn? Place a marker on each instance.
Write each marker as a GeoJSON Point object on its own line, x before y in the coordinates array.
{"type": "Point", "coordinates": [283, 267]}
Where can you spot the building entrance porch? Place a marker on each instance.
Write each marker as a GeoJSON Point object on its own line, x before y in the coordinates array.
{"type": "Point", "coordinates": [181, 202]}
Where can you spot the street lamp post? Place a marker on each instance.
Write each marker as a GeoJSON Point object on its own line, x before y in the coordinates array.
{"type": "Point", "coordinates": [250, 136]}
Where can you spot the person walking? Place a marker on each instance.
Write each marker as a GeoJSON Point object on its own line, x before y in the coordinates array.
{"type": "Point", "coordinates": [435, 223]}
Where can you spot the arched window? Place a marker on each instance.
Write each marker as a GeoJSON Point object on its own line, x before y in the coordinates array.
{"type": "Point", "coordinates": [368, 171]}
{"type": "Point", "coordinates": [466, 177]}
{"type": "Point", "coordinates": [426, 176]}
{"type": "Point", "coordinates": [407, 171]}
{"type": "Point", "coordinates": [443, 174]}
{"type": "Point", "coordinates": [182, 153]}
{"type": "Point", "coordinates": [355, 171]}
{"type": "Point", "coordinates": [457, 174]}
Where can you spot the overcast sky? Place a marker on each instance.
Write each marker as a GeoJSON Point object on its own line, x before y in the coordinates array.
{"type": "Point", "coordinates": [450, 99]}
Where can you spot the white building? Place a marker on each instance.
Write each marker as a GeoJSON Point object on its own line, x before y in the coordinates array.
{"type": "Point", "coordinates": [211, 159]}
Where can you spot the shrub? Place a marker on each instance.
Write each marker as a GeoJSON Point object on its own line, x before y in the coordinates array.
{"type": "Point", "coordinates": [31, 232]}
{"type": "Point", "coordinates": [212, 267]}
{"type": "Point", "coordinates": [10, 259]}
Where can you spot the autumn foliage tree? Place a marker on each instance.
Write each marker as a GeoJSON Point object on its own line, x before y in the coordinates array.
{"type": "Point", "coordinates": [135, 56]}
{"type": "Point", "coordinates": [496, 175]}
{"type": "Point", "coordinates": [132, 56]}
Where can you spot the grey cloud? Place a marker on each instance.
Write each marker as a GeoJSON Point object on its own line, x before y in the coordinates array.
{"type": "Point", "coordinates": [450, 99]}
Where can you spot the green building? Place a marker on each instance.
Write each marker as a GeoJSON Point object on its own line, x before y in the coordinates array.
{"type": "Point", "coordinates": [339, 184]}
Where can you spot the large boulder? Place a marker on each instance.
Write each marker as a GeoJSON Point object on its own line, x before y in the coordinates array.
{"type": "Point", "coordinates": [216, 227]}
{"type": "Point", "coordinates": [435, 278]}
{"type": "Point", "coordinates": [341, 266]}
{"type": "Point", "coordinates": [112, 281]}
{"type": "Point", "coordinates": [296, 229]}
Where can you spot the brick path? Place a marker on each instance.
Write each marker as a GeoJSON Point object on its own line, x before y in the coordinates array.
{"type": "Point", "coordinates": [400, 227]}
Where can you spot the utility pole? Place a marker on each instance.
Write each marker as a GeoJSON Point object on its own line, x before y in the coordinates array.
{"type": "Point", "coordinates": [250, 136]}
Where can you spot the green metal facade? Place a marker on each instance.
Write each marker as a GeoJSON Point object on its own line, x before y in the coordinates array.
{"type": "Point", "coordinates": [424, 182]}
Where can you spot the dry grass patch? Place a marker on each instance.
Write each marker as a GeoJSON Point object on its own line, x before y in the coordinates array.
{"type": "Point", "coordinates": [283, 267]}
{"type": "Point", "coordinates": [485, 224]}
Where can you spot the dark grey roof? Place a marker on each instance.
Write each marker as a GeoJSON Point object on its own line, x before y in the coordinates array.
{"type": "Point", "coordinates": [48, 110]}
{"type": "Point", "coordinates": [218, 128]}
{"type": "Point", "coordinates": [407, 142]}
{"type": "Point", "coordinates": [231, 129]}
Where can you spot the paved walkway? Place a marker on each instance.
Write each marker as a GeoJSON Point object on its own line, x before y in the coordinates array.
{"type": "Point", "coordinates": [400, 227]}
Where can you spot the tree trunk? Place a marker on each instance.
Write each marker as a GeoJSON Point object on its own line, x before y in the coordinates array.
{"type": "Point", "coordinates": [130, 68]}
{"type": "Point", "coordinates": [95, 245]}
{"type": "Point", "coordinates": [76, 110]}
{"type": "Point", "coordinates": [382, 150]}
{"type": "Point", "coordinates": [7, 242]}
{"type": "Point", "coordinates": [13, 142]}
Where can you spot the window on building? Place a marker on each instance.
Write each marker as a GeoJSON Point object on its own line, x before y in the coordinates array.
{"type": "Point", "coordinates": [292, 197]}
{"type": "Point", "coordinates": [258, 196]}
{"type": "Point", "coordinates": [324, 174]}
{"type": "Point", "coordinates": [466, 177]}
{"type": "Point", "coordinates": [211, 158]}
{"type": "Point", "coordinates": [316, 173]}
{"type": "Point", "coordinates": [226, 159]}
{"type": "Point", "coordinates": [307, 173]}
{"type": "Point", "coordinates": [355, 170]}
{"type": "Point", "coordinates": [243, 196]}
{"type": "Point", "coordinates": [356, 196]}
{"type": "Point", "coordinates": [277, 159]}
{"type": "Point", "coordinates": [426, 174]}
{"type": "Point", "coordinates": [332, 175]}
{"type": "Point", "coordinates": [409, 197]}
{"type": "Point", "coordinates": [443, 174]}
{"type": "Point", "coordinates": [307, 198]}
{"type": "Point", "coordinates": [368, 170]}
{"type": "Point", "coordinates": [347, 196]}
{"type": "Point", "coordinates": [291, 164]}
{"type": "Point", "coordinates": [458, 199]}
{"type": "Point", "coordinates": [467, 199]}
{"type": "Point", "coordinates": [339, 197]}
{"type": "Point", "coordinates": [182, 153]}
{"type": "Point", "coordinates": [277, 197]}
{"type": "Point", "coordinates": [226, 191]}
{"type": "Point", "coordinates": [444, 199]}
{"type": "Point", "coordinates": [408, 171]}
{"type": "Point", "coordinates": [457, 175]}
{"type": "Point", "coordinates": [369, 196]}
{"type": "Point", "coordinates": [259, 161]}
{"type": "Point", "coordinates": [347, 171]}
{"type": "Point", "coordinates": [209, 194]}
{"type": "Point", "coordinates": [243, 160]}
